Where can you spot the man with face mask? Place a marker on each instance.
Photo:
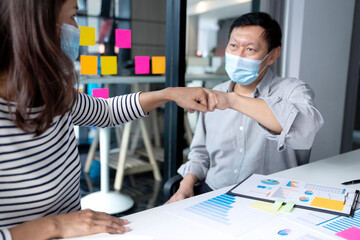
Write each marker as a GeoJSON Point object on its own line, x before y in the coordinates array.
{"type": "Point", "coordinates": [266, 119]}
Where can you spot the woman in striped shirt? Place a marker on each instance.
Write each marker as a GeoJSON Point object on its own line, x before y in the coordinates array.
{"type": "Point", "coordinates": [39, 162]}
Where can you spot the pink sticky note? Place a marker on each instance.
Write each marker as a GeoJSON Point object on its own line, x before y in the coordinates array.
{"type": "Point", "coordinates": [101, 92]}
{"type": "Point", "coordinates": [122, 38]}
{"type": "Point", "coordinates": [142, 65]}
{"type": "Point", "coordinates": [352, 233]}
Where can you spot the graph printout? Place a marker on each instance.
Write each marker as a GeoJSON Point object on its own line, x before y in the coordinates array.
{"type": "Point", "coordinates": [329, 224]}
{"type": "Point", "coordinates": [318, 197]}
{"type": "Point", "coordinates": [225, 213]}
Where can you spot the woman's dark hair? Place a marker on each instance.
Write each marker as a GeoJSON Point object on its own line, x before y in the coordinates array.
{"type": "Point", "coordinates": [39, 74]}
{"type": "Point", "coordinates": [272, 31]}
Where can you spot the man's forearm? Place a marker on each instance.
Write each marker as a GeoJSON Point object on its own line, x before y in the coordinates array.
{"type": "Point", "coordinates": [189, 180]}
{"type": "Point", "coordinates": [256, 109]}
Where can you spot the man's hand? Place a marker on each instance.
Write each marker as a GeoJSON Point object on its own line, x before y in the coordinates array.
{"type": "Point", "coordinates": [217, 100]}
{"type": "Point", "coordinates": [186, 188]}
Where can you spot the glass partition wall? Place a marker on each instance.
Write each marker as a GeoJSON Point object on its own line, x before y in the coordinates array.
{"type": "Point", "coordinates": [157, 30]}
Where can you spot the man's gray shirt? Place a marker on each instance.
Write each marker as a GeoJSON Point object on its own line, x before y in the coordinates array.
{"type": "Point", "coordinates": [228, 146]}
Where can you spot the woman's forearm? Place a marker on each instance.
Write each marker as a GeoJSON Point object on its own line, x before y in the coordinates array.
{"type": "Point", "coordinates": [154, 99]}
{"type": "Point", "coordinates": [39, 229]}
{"type": "Point", "coordinates": [193, 99]}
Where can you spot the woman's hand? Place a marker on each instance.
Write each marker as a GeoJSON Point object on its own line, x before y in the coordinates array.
{"type": "Point", "coordinates": [76, 224]}
{"type": "Point", "coordinates": [89, 222]}
{"type": "Point", "coordinates": [190, 98]}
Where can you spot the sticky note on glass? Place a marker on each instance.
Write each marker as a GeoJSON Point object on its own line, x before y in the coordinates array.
{"type": "Point", "coordinates": [142, 65]}
{"type": "Point", "coordinates": [352, 233]}
{"type": "Point", "coordinates": [100, 92]}
{"type": "Point", "coordinates": [109, 65]}
{"type": "Point", "coordinates": [327, 203]}
{"type": "Point", "coordinates": [122, 38]}
{"type": "Point", "coordinates": [89, 65]}
{"type": "Point", "coordinates": [87, 36]}
{"type": "Point", "coordinates": [158, 65]}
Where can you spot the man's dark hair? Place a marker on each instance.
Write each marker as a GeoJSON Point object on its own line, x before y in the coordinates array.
{"type": "Point", "coordinates": [272, 31]}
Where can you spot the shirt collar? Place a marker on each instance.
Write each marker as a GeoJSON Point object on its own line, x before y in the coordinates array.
{"type": "Point", "coordinates": [262, 88]}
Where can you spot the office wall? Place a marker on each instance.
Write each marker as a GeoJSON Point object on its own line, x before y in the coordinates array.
{"type": "Point", "coordinates": [318, 53]}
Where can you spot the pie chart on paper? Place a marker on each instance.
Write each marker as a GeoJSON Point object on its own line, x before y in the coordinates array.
{"type": "Point", "coordinates": [270, 182]}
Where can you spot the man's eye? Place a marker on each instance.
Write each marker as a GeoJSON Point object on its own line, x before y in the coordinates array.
{"type": "Point", "coordinates": [250, 49]}
{"type": "Point", "coordinates": [232, 45]}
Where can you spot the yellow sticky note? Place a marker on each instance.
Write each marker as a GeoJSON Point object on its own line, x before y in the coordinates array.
{"type": "Point", "coordinates": [88, 64]}
{"type": "Point", "coordinates": [264, 206]}
{"type": "Point", "coordinates": [327, 203]}
{"type": "Point", "coordinates": [87, 36]}
{"type": "Point", "coordinates": [108, 65]}
{"type": "Point", "coordinates": [158, 65]}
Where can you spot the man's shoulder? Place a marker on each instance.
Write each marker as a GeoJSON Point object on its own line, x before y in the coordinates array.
{"type": "Point", "coordinates": [287, 83]}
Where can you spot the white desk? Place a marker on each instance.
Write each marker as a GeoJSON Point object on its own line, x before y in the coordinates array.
{"type": "Point", "coordinates": [162, 225]}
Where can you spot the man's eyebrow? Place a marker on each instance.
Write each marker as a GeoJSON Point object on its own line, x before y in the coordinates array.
{"type": "Point", "coordinates": [244, 42]}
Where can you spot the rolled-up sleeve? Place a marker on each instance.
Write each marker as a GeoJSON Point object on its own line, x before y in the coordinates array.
{"type": "Point", "coordinates": [199, 160]}
{"type": "Point", "coordinates": [99, 112]}
{"type": "Point", "coordinates": [297, 116]}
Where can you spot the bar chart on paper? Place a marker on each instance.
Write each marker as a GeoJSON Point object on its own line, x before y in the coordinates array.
{"type": "Point", "coordinates": [216, 208]}
{"type": "Point", "coordinates": [339, 224]}
{"type": "Point", "coordinates": [222, 212]}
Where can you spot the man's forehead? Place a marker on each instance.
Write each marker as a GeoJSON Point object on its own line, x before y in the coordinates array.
{"type": "Point", "coordinates": [256, 33]}
{"type": "Point", "coordinates": [250, 29]}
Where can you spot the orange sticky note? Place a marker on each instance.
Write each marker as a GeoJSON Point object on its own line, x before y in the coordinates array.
{"type": "Point", "coordinates": [108, 65]}
{"type": "Point", "coordinates": [80, 90]}
{"type": "Point", "coordinates": [158, 65]}
{"type": "Point", "coordinates": [87, 36]}
{"type": "Point", "coordinates": [327, 203]}
{"type": "Point", "coordinates": [88, 64]}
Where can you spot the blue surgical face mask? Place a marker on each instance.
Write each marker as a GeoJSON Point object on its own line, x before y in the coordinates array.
{"type": "Point", "coordinates": [243, 70]}
{"type": "Point", "coordinates": [70, 41]}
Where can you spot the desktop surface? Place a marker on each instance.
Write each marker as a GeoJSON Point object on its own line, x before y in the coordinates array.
{"type": "Point", "coordinates": [178, 221]}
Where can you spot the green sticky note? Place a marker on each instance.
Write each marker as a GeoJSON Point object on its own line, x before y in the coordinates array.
{"type": "Point", "coordinates": [277, 205]}
{"type": "Point", "coordinates": [289, 206]}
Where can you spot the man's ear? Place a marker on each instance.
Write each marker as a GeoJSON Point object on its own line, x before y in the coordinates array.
{"type": "Point", "coordinates": [274, 55]}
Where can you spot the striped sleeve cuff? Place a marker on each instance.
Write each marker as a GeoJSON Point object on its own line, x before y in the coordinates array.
{"type": "Point", "coordinates": [5, 234]}
{"type": "Point", "coordinates": [126, 108]}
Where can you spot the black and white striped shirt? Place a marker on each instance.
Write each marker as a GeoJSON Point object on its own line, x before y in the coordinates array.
{"type": "Point", "coordinates": [40, 176]}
